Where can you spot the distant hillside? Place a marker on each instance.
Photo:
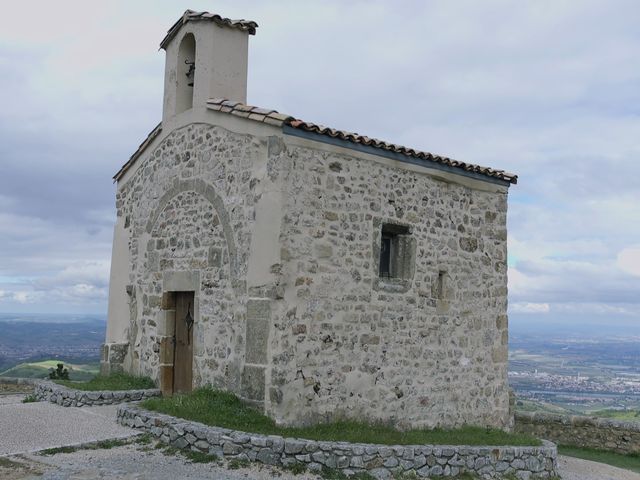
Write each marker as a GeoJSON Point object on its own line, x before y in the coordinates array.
{"type": "Point", "coordinates": [34, 338]}
{"type": "Point", "coordinates": [41, 370]}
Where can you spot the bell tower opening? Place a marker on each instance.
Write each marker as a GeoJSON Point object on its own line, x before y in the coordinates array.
{"type": "Point", "coordinates": [185, 75]}
{"type": "Point", "coordinates": [206, 58]}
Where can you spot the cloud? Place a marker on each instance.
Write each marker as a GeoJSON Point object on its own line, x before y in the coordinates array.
{"type": "Point", "coordinates": [548, 90]}
{"type": "Point", "coordinates": [628, 260]}
{"type": "Point", "coordinates": [23, 297]}
{"type": "Point", "coordinates": [525, 307]}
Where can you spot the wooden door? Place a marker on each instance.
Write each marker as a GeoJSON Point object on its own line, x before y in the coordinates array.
{"type": "Point", "coordinates": [183, 352]}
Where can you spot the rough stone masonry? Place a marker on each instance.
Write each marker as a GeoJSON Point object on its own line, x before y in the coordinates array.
{"type": "Point", "coordinates": [379, 461]}
{"type": "Point", "coordinates": [333, 277]}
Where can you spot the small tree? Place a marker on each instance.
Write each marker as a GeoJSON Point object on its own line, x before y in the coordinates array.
{"type": "Point", "coordinates": [60, 373]}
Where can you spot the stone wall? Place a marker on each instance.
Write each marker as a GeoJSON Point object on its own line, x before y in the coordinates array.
{"type": "Point", "coordinates": [581, 431]}
{"type": "Point", "coordinates": [188, 209]}
{"type": "Point", "coordinates": [380, 461]}
{"type": "Point", "coordinates": [427, 349]}
{"type": "Point", "coordinates": [46, 391]}
{"type": "Point", "coordinates": [311, 331]}
{"type": "Point", "coordinates": [19, 381]}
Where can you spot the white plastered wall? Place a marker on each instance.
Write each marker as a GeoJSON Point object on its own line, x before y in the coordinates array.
{"type": "Point", "coordinates": [118, 310]}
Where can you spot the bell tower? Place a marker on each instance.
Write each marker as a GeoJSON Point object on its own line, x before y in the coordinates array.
{"type": "Point", "coordinates": [206, 57]}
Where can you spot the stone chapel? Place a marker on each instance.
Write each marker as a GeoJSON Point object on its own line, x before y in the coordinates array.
{"type": "Point", "coordinates": [314, 272]}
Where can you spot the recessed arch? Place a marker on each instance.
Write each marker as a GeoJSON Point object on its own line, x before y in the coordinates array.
{"type": "Point", "coordinates": [185, 74]}
{"type": "Point", "coordinates": [208, 193]}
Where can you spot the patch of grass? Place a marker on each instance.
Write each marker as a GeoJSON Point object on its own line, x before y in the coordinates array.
{"type": "Point", "coordinates": [236, 463]}
{"type": "Point", "coordinates": [109, 444]}
{"type": "Point", "coordinates": [332, 474]}
{"type": "Point", "coordinates": [56, 450]}
{"type": "Point", "coordinates": [100, 445]}
{"type": "Point", "coordinates": [30, 399]}
{"type": "Point", "coordinates": [199, 457]}
{"type": "Point", "coordinates": [627, 415]}
{"type": "Point", "coordinates": [412, 475]}
{"type": "Point", "coordinates": [6, 463]}
{"type": "Point", "coordinates": [628, 462]}
{"type": "Point", "coordinates": [195, 457]}
{"type": "Point", "coordinates": [114, 381]}
{"type": "Point", "coordinates": [296, 468]}
{"type": "Point", "coordinates": [167, 449]}
{"type": "Point", "coordinates": [223, 409]}
{"type": "Point", "coordinates": [144, 439]}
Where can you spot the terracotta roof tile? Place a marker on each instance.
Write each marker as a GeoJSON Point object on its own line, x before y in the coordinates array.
{"type": "Point", "coordinates": [278, 119]}
{"type": "Point", "coordinates": [248, 26]}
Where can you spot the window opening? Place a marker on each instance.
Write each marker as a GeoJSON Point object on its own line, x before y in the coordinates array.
{"type": "Point", "coordinates": [440, 285]}
{"type": "Point", "coordinates": [394, 261]}
{"type": "Point", "coordinates": [186, 73]}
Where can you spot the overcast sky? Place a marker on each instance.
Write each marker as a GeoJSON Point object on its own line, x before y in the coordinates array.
{"type": "Point", "coordinates": [547, 89]}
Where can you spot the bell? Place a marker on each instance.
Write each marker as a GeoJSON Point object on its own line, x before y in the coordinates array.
{"type": "Point", "coordinates": [191, 72]}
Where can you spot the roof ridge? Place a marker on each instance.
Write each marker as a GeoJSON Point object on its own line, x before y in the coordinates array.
{"type": "Point", "coordinates": [248, 26]}
{"type": "Point", "coordinates": [273, 117]}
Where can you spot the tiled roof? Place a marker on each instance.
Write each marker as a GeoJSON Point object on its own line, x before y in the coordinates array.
{"type": "Point", "coordinates": [248, 26]}
{"type": "Point", "coordinates": [272, 117]}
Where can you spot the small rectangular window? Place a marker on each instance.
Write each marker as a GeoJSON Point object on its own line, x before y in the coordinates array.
{"type": "Point", "coordinates": [441, 285]}
{"type": "Point", "coordinates": [385, 255]}
{"type": "Point", "coordinates": [395, 254]}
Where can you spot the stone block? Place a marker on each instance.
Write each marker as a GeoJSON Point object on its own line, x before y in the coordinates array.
{"type": "Point", "coordinates": [214, 257]}
{"type": "Point", "coordinates": [181, 281]}
{"type": "Point", "coordinates": [253, 382]}
{"type": "Point", "coordinates": [258, 321]}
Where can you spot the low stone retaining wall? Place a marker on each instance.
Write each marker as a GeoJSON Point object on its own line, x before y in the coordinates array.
{"type": "Point", "coordinates": [18, 381]}
{"type": "Point", "coordinates": [68, 397]}
{"type": "Point", "coordinates": [580, 431]}
{"type": "Point", "coordinates": [381, 461]}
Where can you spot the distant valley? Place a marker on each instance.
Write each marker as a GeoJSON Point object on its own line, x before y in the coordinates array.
{"type": "Point", "coordinates": [560, 368]}
{"type": "Point", "coordinates": [576, 370]}
{"type": "Point", "coordinates": [27, 340]}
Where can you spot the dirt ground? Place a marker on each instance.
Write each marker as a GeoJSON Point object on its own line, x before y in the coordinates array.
{"type": "Point", "coordinates": [9, 388]}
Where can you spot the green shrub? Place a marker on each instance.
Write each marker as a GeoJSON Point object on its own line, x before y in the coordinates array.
{"type": "Point", "coordinates": [60, 373]}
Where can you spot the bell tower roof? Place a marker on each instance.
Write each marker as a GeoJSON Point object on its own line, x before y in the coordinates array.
{"type": "Point", "coordinates": [248, 26]}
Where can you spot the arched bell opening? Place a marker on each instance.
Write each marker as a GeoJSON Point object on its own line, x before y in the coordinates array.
{"type": "Point", "coordinates": [186, 70]}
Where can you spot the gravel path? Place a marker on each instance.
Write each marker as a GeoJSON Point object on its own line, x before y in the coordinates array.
{"type": "Point", "coordinates": [29, 427]}
{"type": "Point", "coordinates": [577, 469]}
{"type": "Point", "coordinates": [11, 398]}
{"type": "Point", "coordinates": [138, 462]}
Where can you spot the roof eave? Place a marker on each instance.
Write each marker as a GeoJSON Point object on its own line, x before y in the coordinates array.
{"type": "Point", "coordinates": [505, 181]}
{"type": "Point", "coordinates": [139, 151]}
{"type": "Point", "coordinates": [248, 26]}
